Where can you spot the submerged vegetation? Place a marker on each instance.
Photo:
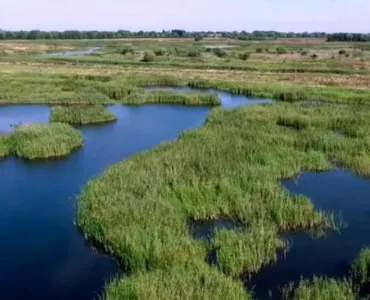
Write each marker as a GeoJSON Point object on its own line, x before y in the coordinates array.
{"type": "Point", "coordinates": [81, 115]}
{"type": "Point", "coordinates": [41, 141]}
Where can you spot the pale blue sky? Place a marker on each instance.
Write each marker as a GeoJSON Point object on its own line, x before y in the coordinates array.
{"type": "Point", "coordinates": [249, 15]}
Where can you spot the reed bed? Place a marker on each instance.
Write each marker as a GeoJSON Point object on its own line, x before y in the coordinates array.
{"type": "Point", "coordinates": [229, 168]}
{"type": "Point", "coordinates": [195, 281]}
{"type": "Point", "coordinates": [41, 141]}
{"type": "Point", "coordinates": [317, 67]}
{"type": "Point", "coordinates": [4, 145]}
{"type": "Point", "coordinates": [68, 89]}
{"type": "Point", "coordinates": [82, 115]}
{"type": "Point", "coordinates": [169, 97]}
{"type": "Point", "coordinates": [321, 288]}
{"type": "Point", "coordinates": [361, 268]}
{"type": "Point", "coordinates": [240, 252]}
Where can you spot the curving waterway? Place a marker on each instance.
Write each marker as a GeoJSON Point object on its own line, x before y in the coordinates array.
{"type": "Point", "coordinates": [43, 255]}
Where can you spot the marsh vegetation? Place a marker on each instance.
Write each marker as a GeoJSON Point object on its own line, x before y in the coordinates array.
{"type": "Point", "coordinates": [4, 145]}
{"type": "Point", "coordinates": [230, 168]}
{"type": "Point", "coordinates": [81, 115]}
{"type": "Point", "coordinates": [41, 141]}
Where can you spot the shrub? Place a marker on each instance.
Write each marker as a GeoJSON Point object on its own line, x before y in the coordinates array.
{"type": "Point", "coordinates": [127, 50]}
{"type": "Point", "coordinates": [220, 52]}
{"type": "Point", "coordinates": [160, 52]}
{"type": "Point", "coordinates": [304, 52]}
{"type": "Point", "coordinates": [198, 38]}
{"type": "Point", "coordinates": [281, 50]}
{"type": "Point", "coordinates": [342, 52]}
{"type": "Point", "coordinates": [259, 50]}
{"type": "Point", "coordinates": [245, 56]}
{"type": "Point", "coordinates": [148, 56]}
{"type": "Point", "coordinates": [314, 56]}
{"type": "Point", "coordinates": [179, 52]}
{"type": "Point", "coordinates": [357, 53]}
{"type": "Point", "coordinates": [194, 53]}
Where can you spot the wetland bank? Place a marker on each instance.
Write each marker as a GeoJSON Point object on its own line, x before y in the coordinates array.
{"type": "Point", "coordinates": [227, 171]}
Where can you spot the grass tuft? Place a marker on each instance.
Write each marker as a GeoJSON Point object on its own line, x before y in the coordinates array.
{"type": "Point", "coordinates": [81, 115]}
{"type": "Point", "coordinates": [195, 281]}
{"type": "Point", "coordinates": [41, 141]}
{"type": "Point", "coordinates": [4, 145]}
{"type": "Point", "coordinates": [169, 97]}
{"type": "Point", "coordinates": [321, 288]}
{"type": "Point", "coordinates": [361, 267]}
{"type": "Point", "coordinates": [240, 252]}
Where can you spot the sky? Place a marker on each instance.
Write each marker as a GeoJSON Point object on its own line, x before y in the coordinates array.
{"type": "Point", "coordinates": [191, 15]}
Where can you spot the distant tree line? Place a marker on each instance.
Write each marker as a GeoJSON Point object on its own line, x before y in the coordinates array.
{"type": "Point", "coordinates": [349, 37]}
{"type": "Point", "coordinates": [242, 35]}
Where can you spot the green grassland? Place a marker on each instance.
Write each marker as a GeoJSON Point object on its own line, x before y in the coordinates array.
{"type": "Point", "coordinates": [284, 55]}
{"type": "Point", "coordinates": [70, 89]}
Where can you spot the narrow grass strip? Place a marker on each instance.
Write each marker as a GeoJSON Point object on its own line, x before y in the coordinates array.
{"type": "Point", "coordinates": [169, 97]}
{"type": "Point", "coordinates": [82, 115]}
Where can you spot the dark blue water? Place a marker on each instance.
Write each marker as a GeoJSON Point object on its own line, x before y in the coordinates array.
{"type": "Point", "coordinates": [42, 253]}
{"type": "Point", "coordinates": [44, 256]}
{"type": "Point", "coordinates": [22, 114]}
{"type": "Point", "coordinates": [205, 229]}
{"type": "Point", "coordinates": [227, 100]}
{"type": "Point", "coordinates": [338, 191]}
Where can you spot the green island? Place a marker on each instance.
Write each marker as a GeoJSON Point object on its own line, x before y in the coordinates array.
{"type": "Point", "coordinates": [81, 115]}
{"type": "Point", "coordinates": [139, 210]}
{"type": "Point", "coordinates": [41, 141]}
